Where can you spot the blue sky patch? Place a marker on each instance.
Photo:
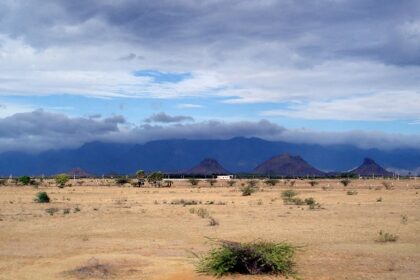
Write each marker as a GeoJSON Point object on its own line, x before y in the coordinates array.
{"type": "Point", "coordinates": [163, 77]}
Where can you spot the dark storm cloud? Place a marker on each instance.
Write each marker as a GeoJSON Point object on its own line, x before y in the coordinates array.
{"type": "Point", "coordinates": [40, 130]}
{"type": "Point", "coordinates": [41, 124]}
{"type": "Point", "coordinates": [165, 118]}
{"type": "Point", "coordinates": [380, 30]}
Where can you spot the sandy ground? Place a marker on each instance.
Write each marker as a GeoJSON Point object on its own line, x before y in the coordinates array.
{"type": "Point", "coordinates": [136, 233]}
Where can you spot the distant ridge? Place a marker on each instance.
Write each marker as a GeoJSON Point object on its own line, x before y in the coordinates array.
{"type": "Point", "coordinates": [370, 168]}
{"type": "Point", "coordinates": [287, 165]}
{"type": "Point", "coordinates": [207, 166]}
{"type": "Point", "coordinates": [238, 155]}
{"type": "Point", "coordinates": [78, 173]}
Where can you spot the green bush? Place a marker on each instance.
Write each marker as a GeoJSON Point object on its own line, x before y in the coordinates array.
{"type": "Point", "coordinates": [24, 180]}
{"type": "Point", "coordinates": [61, 179]}
{"type": "Point", "coordinates": [42, 197]}
{"type": "Point", "coordinates": [249, 258]}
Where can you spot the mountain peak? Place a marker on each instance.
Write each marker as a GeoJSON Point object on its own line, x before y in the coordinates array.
{"type": "Point", "coordinates": [287, 165]}
{"type": "Point", "coordinates": [208, 166]}
{"type": "Point", "coordinates": [370, 168]}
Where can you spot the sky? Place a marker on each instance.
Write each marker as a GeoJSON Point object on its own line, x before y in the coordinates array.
{"type": "Point", "coordinates": [310, 71]}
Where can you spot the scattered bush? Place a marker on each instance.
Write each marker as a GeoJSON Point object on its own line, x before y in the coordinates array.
{"type": "Point", "coordinates": [287, 194]}
{"type": "Point", "coordinates": [193, 181]}
{"type": "Point", "coordinates": [271, 182]}
{"type": "Point", "coordinates": [248, 190]}
{"type": "Point", "coordinates": [231, 183]}
{"type": "Point", "coordinates": [213, 222]}
{"type": "Point", "coordinates": [61, 179]}
{"type": "Point", "coordinates": [155, 179]}
{"type": "Point", "coordinates": [292, 183]}
{"type": "Point", "coordinates": [386, 237]}
{"type": "Point", "coordinates": [404, 219]}
{"type": "Point", "coordinates": [24, 180]}
{"type": "Point", "coordinates": [42, 197]}
{"type": "Point", "coordinates": [202, 212]}
{"type": "Point", "coordinates": [185, 202]}
{"type": "Point", "coordinates": [52, 211]}
{"type": "Point", "coordinates": [387, 185]}
{"type": "Point", "coordinates": [211, 181]}
{"type": "Point", "coordinates": [352, 192]}
{"type": "Point", "coordinates": [345, 182]}
{"type": "Point", "coordinates": [121, 181]}
{"type": "Point", "coordinates": [313, 183]}
{"type": "Point", "coordinates": [249, 258]}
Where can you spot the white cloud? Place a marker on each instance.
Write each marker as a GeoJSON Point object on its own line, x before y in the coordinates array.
{"type": "Point", "coordinates": [377, 107]}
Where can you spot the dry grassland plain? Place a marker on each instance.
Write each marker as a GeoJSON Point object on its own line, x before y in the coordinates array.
{"type": "Point", "coordinates": [97, 230]}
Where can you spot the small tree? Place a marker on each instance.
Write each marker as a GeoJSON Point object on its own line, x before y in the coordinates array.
{"type": "Point", "coordinates": [25, 180]}
{"type": "Point", "coordinates": [61, 180]}
{"type": "Point", "coordinates": [155, 179]}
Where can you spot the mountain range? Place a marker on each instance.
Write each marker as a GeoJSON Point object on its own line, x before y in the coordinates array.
{"type": "Point", "coordinates": [236, 155]}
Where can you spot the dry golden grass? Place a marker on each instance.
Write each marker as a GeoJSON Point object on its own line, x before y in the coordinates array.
{"type": "Point", "coordinates": [136, 233]}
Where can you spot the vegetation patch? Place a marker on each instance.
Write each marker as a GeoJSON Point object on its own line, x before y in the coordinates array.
{"type": "Point", "coordinates": [249, 258]}
{"type": "Point", "coordinates": [385, 237]}
{"type": "Point", "coordinates": [42, 197]}
{"type": "Point", "coordinates": [185, 202]}
{"type": "Point", "coordinates": [93, 269]}
{"type": "Point", "coordinates": [352, 192]}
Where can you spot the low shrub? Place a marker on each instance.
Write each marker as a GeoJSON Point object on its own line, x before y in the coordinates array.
{"type": "Point", "coordinates": [248, 190]}
{"type": "Point", "coordinates": [185, 202]}
{"type": "Point", "coordinates": [52, 210]}
{"type": "Point", "coordinates": [352, 192]}
{"type": "Point", "coordinates": [202, 213]}
{"type": "Point", "coordinates": [231, 183]}
{"type": "Point", "coordinates": [345, 182]}
{"type": "Point", "coordinates": [387, 185]}
{"type": "Point", "coordinates": [193, 182]}
{"type": "Point", "coordinates": [211, 181]}
{"type": "Point", "coordinates": [313, 183]}
{"type": "Point", "coordinates": [287, 194]}
{"type": "Point", "coordinates": [121, 181]}
{"type": "Point", "coordinates": [271, 182]}
{"type": "Point", "coordinates": [249, 258]}
{"type": "Point", "coordinates": [386, 237]}
{"type": "Point", "coordinates": [213, 222]}
{"type": "Point", "coordinates": [42, 197]}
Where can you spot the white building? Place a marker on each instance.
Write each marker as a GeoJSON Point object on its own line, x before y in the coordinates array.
{"type": "Point", "coordinates": [224, 177]}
